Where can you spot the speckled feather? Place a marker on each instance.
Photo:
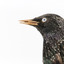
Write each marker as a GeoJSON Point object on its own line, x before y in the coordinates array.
{"type": "Point", "coordinates": [53, 33]}
{"type": "Point", "coordinates": [53, 51]}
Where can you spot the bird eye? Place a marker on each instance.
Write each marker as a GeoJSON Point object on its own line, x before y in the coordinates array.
{"type": "Point", "coordinates": [44, 19]}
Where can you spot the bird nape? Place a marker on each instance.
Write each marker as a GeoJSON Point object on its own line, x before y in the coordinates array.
{"type": "Point", "coordinates": [51, 26]}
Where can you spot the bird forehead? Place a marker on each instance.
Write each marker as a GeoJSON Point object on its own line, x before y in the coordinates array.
{"type": "Point", "coordinates": [45, 15]}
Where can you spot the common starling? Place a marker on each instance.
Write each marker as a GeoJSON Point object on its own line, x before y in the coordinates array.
{"type": "Point", "coordinates": [51, 27]}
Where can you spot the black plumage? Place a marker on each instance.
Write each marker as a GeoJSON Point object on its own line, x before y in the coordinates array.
{"type": "Point", "coordinates": [51, 26]}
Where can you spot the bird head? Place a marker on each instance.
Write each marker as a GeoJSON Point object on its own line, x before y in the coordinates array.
{"type": "Point", "coordinates": [45, 23]}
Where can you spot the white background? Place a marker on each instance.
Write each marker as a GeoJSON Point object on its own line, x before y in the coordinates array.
{"type": "Point", "coordinates": [22, 44]}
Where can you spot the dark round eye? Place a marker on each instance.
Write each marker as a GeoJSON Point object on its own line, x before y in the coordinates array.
{"type": "Point", "coordinates": [44, 19]}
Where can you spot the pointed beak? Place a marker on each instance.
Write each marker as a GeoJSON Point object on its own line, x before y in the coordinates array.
{"type": "Point", "coordinates": [29, 22]}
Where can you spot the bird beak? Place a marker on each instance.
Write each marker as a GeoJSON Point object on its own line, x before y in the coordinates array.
{"type": "Point", "coordinates": [29, 22]}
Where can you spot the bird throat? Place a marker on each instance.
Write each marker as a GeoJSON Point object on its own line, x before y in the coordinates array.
{"type": "Point", "coordinates": [52, 47]}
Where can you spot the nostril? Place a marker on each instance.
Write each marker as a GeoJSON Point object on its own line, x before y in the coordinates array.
{"type": "Point", "coordinates": [25, 21]}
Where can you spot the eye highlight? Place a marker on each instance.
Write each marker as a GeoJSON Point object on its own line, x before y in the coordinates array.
{"type": "Point", "coordinates": [44, 19]}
